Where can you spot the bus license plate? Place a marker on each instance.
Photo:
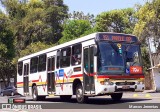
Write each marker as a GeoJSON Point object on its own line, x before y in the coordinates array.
{"type": "Point", "coordinates": [125, 87]}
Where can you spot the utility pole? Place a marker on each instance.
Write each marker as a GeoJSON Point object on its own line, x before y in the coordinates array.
{"type": "Point", "coordinates": [152, 71]}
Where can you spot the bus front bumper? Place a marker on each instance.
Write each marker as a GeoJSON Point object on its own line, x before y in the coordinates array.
{"type": "Point", "coordinates": [105, 89]}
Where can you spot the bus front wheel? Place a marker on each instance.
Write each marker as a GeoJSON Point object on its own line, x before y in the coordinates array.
{"type": "Point", "coordinates": [116, 96]}
{"type": "Point", "coordinates": [79, 94]}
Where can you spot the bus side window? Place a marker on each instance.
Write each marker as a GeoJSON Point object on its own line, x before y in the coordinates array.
{"type": "Point", "coordinates": [42, 63]}
{"type": "Point", "coordinates": [49, 64]}
{"type": "Point", "coordinates": [53, 64]}
{"type": "Point", "coordinates": [76, 54]}
{"type": "Point", "coordinates": [25, 69]}
{"type": "Point", "coordinates": [91, 59]}
{"type": "Point", "coordinates": [34, 65]}
{"type": "Point", "coordinates": [58, 59]}
{"type": "Point", "coordinates": [20, 68]}
{"type": "Point", "coordinates": [65, 57]}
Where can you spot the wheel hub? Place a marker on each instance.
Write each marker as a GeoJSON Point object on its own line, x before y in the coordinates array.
{"type": "Point", "coordinates": [79, 93]}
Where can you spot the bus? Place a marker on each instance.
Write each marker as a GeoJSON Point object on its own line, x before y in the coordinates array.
{"type": "Point", "coordinates": [102, 63]}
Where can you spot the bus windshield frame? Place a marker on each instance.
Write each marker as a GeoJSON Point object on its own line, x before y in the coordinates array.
{"type": "Point", "coordinates": [116, 58]}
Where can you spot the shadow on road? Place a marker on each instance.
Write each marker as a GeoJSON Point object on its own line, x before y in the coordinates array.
{"type": "Point", "coordinates": [96, 101]}
{"type": "Point", "coordinates": [92, 103]}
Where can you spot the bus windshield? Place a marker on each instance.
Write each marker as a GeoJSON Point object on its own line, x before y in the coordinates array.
{"type": "Point", "coordinates": [116, 58]}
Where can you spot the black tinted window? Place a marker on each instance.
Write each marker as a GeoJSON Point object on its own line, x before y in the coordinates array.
{"type": "Point", "coordinates": [20, 68]}
{"type": "Point", "coordinates": [42, 63]}
{"type": "Point", "coordinates": [34, 65]}
{"type": "Point", "coordinates": [51, 64]}
{"type": "Point", "coordinates": [58, 59]}
{"type": "Point", "coordinates": [26, 69]}
{"type": "Point", "coordinates": [76, 54]}
{"type": "Point", "coordinates": [65, 57]}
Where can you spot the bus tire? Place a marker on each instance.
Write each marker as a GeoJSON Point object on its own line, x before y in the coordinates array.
{"type": "Point", "coordinates": [65, 97]}
{"type": "Point", "coordinates": [116, 96]}
{"type": "Point", "coordinates": [35, 94]}
{"type": "Point", "coordinates": [79, 94]}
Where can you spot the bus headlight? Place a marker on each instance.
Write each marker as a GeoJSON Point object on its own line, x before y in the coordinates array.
{"type": "Point", "coordinates": [106, 82]}
{"type": "Point", "coordinates": [140, 81]}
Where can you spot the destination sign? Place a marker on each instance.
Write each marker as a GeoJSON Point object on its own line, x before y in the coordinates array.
{"type": "Point", "coordinates": [116, 37]}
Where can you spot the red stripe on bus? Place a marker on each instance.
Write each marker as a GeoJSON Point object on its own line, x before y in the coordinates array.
{"type": "Point", "coordinates": [102, 76]}
{"type": "Point", "coordinates": [19, 82]}
{"type": "Point", "coordinates": [81, 75]}
{"type": "Point", "coordinates": [78, 75]}
{"type": "Point", "coordinates": [35, 80]}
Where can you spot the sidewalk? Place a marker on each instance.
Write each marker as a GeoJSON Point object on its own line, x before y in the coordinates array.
{"type": "Point", "coordinates": [151, 91]}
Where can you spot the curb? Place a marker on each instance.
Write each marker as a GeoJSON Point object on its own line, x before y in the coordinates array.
{"type": "Point", "coordinates": [151, 91]}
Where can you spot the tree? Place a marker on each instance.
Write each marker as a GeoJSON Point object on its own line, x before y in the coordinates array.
{"type": "Point", "coordinates": [33, 48]}
{"type": "Point", "coordinates": [148, 25]}
{"type": "Point", "coordinates": [76, 15]}
{"type": "Point", "coordinates": [74, 29]}
{"type": "Point", "coordinates": [145, 59]}
{"type": "Point", "coordinates": [7, 68]}
{"type": "Point", "coordinates": [120, 21]}
{"type": "Point", "coordinates": [55, 13]}
{"type": "Point", "coordinates": [35, 20]}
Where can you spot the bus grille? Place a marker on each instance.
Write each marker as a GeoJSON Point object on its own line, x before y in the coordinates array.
{"type": "Point", "coordinates": [125, 83]}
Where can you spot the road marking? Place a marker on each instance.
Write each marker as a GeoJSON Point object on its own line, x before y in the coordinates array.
{"type": "Point", "coordinates": [147, 95]}
{"type": "Point", "coordinates": [51, 95]}
{"type": "Point", "coordinates": [135, 95]}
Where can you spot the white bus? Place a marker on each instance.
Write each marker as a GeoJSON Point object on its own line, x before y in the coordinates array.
{"type": "Point", "coordinates": [101, 63]}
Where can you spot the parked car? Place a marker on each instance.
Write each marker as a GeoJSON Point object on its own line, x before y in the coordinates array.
{"type": "Point", "coordinates": [9, 91]}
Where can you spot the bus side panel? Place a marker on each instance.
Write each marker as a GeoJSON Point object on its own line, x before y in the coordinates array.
{"type": "Point", "coordinates": [65, 78]}
{"type": "Point", "coordinates": [20, 84]}
{"type": "Point", "coordinates": [40, 80]}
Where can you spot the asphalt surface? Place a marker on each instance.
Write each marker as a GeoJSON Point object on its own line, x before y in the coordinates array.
{"type": "Point", "coordinates": [99, 104]}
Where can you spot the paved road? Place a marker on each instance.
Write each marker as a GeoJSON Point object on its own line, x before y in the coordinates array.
{"type": "Point", "coordinates": [96, 102]}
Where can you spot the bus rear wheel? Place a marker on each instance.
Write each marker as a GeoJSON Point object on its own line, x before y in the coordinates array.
{"type": "Point", "coordinates": [116, 96]}
{"type": "Point", "coordinates": [35, 94]}
{"type": "Point", "coordinates": [79, 94]}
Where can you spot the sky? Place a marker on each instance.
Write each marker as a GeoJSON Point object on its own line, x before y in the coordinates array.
{"type": "Point", "coordinates": [97, 6]}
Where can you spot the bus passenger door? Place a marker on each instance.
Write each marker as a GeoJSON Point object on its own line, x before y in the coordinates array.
{"type": "Point", "coordinates": [88, 70]}
{"type": "Point", "coordinates": [26, 79]}
{"type": "Point", "coordinates": [51, 75]}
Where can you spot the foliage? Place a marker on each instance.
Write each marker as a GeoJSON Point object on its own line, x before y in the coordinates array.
{"type": "Point", "coordinates": [55, 13]}
{"type": "Point", "coordinates": [33, 48]}
{"type": "Point", "coordinates": [120, 21]}
{"type": "Point", "coordinates": [145, 59]}
{"type": "Point", "coordinates": [144, 17]}
{"type": "Point", "coordinates": [6, 49]}
{"type": "Point", "coordinates": [35, 20]}
{"type": "Point", "coordinates": [148, 25]}
{"type": "Point", "coordinates": [74, 29]}
{"type": "Point", "coordinates": [76, 15]}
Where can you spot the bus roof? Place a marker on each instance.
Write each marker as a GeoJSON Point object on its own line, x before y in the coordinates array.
{"type": "Point", "coordinates": [87, 37]}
